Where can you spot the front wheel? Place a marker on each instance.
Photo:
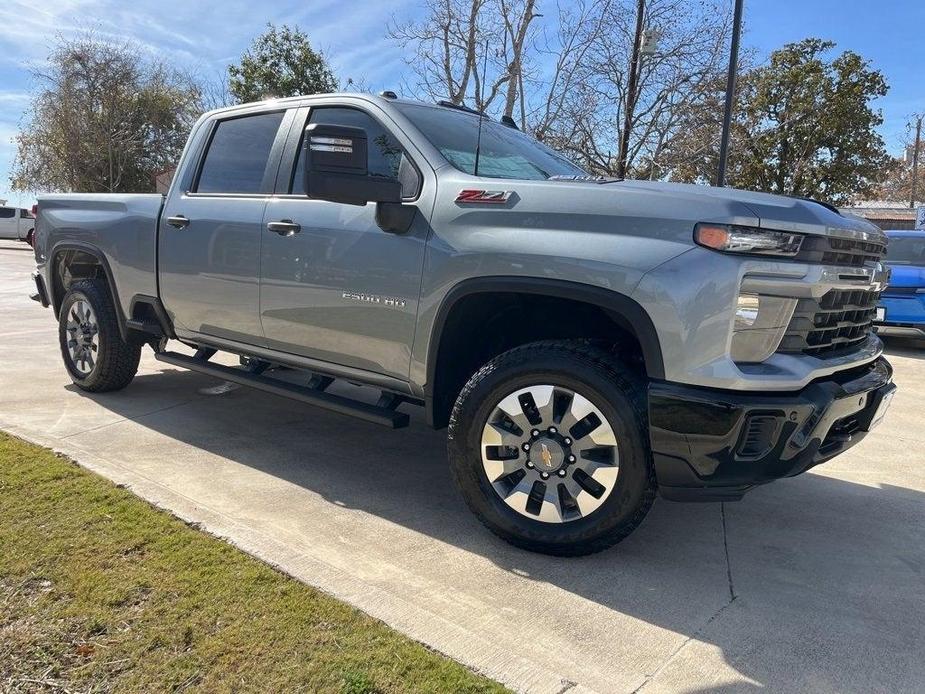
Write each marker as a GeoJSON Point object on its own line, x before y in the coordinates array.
{"type": "Point", "coordinates": [548, 445]}
{"type": "Point", "coordinates": [96, 356]}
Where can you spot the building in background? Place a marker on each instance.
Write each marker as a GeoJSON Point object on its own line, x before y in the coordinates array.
{"type": "Point", "coordinates": [886, 214]}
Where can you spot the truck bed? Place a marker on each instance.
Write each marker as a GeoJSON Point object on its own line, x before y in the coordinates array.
{"type": "Point", "coordinates": [123, 227]}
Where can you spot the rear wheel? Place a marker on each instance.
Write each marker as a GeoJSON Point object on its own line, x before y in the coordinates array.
{"type": "Point", "coordinates": [548, 445]}
{"type": "Point", "coordinates": [95, 355]}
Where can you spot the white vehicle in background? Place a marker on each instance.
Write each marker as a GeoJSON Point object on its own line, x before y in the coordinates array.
{"type": "Point", "coordinates": [15, 223]}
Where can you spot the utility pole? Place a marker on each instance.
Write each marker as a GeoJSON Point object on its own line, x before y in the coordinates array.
{"type": "Point", "coordinates": [730, 93]}
{"type": "Point", "coordinates": [631, 91]}
{"type": "Point", "coordinates": [916, 148]}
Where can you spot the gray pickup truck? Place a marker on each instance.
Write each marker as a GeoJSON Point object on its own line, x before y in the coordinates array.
{"type": "Point", "coordinates": [589, 343]}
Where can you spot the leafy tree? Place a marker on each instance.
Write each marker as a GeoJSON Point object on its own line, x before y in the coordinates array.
{"type": "Point", "coordinates": [281, 62]}
{"type": "Point", "coordinates": [103, 120]}
{"type": "Point", "coordinates": [804, 126]}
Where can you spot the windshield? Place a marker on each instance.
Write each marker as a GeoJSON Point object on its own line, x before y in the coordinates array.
{"type": "Point", "coordinates": [906, 250]}
{"type": "Point", "coordinates": [504, 152]}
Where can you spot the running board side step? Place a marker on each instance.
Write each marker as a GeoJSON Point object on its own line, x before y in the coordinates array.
{"type": "Point", "coordinates": [378, 414]}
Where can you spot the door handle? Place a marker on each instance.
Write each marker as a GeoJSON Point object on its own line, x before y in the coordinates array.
{"type": "Point", "coordinates": [178, 221]}
{"type": "Point", "coordinates": [284, 227]}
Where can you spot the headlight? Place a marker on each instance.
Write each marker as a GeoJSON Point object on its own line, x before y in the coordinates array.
{"type": "Point", "coordinates": [747, 240]}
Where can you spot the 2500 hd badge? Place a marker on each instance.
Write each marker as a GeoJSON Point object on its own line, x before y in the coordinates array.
{"type": "Point", "coordinates": [374, 299]}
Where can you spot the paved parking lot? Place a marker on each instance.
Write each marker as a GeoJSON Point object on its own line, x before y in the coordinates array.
{"type": "Point", "coordinates": [815, 583]}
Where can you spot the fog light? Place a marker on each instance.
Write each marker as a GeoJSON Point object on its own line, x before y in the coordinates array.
{"type": "Point", "coordinates": [760, 324]}
{"type": "Point", "coordinates": [746, 311]}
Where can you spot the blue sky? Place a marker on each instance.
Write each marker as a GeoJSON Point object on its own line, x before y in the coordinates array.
{"type": "Point", "coordinates": [205, 37]}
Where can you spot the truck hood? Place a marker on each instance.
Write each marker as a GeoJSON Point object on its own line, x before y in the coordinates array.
{"type": "Point", "coordinates": [699, 203]}
{"type": "Point", "coordinates": [906, 276]}
{"type": "Point", "coordinates": [779, 212]}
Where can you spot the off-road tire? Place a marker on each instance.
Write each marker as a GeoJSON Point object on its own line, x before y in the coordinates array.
{"type": "Point", "coordinates": [600, 376]}
{"type": "Point", "coordinates": [116, 361]}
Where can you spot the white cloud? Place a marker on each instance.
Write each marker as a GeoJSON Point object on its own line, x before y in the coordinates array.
{"type": "Point", "coordinates": [197, 33]}
{"type": "Point", "coordinates": [14, 98]}
{"type": "Point", "coordinates": [197, 36]}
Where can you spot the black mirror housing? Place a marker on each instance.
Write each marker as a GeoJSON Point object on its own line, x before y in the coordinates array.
{"type": "Point", "coordinates": [336, 167]}
{"type": "Point", "coordinates": [395, 218]}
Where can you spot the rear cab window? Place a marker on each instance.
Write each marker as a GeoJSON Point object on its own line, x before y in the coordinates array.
{"type": "Point", "coordinates": [238, 154]}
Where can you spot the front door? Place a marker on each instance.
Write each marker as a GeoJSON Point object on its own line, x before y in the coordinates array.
{"type": "Point", "coordinates": [339, 289]}
{"type": "Point", "coordinates": [210, 236]}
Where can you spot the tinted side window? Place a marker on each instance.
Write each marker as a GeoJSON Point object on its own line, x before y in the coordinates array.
{"type": "Point", "coordinates": [26, 214]}
{"type": "Point", "coordinates": [238, 153]}
{"type": "Point", "coordinates": [384, 152]}
{"type": "Point", "coordinates": [7, 212]}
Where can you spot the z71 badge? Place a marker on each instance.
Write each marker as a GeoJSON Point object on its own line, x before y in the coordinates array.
{"type": "Point", "coordinates": [496, 197]}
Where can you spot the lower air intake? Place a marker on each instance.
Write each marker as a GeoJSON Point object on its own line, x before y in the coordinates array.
{"type": "Point", "coordinates": [758, 436]}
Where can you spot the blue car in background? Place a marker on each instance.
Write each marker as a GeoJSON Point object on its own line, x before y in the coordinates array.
{"type": "Point", "coordinates": [901, 310]}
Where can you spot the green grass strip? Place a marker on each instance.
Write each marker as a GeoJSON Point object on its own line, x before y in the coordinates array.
{"type": "Point", "coordinates": [99, 591]}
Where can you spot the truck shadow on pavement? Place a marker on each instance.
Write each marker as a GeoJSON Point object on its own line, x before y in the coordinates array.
{"type": "Point", "coordinates": [812, 582]}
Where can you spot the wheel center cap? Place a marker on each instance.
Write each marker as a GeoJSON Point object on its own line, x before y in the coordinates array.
{"type": "Point", "coordinates": [547, 454]}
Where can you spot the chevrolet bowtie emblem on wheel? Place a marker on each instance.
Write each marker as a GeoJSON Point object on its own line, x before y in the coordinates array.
{"type": "Point", "coordinates": [546, 455]}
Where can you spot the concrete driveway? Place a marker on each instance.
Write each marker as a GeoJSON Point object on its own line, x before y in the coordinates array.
{"type": "Point", "coordinates": [814, 583]}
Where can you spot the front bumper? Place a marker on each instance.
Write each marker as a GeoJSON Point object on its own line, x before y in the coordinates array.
{"type": "Point", "coordinates": [714, 445]}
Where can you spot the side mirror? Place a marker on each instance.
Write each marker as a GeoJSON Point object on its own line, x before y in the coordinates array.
{"type": "Point", "coordinates": [336, 167]}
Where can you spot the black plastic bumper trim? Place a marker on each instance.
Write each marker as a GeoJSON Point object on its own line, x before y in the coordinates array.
{"type": "Point", "coordinates": [696, 433]}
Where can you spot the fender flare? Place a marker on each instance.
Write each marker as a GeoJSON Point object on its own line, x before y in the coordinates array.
{"type": "Point", "coordinates": [107, 272]}
{"type": "Point", "coordinates": [626, 312]}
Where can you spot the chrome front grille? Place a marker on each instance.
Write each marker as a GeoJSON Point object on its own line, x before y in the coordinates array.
{"type": "Point", "coordinates": [831, 250]}
{"type": "Point", "coordinates": [842, 318]}
{"type": "Point", "coordinates": [835, 323]}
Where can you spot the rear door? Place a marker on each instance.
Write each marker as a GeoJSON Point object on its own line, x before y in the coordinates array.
{"type": "Point", "coordinates": [340, 289]}
{"type": "Point", "coordinates": [211, 233]}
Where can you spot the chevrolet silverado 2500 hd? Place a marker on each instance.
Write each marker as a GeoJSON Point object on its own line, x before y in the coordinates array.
{"type": "Point", "coordinates": [589, 343]}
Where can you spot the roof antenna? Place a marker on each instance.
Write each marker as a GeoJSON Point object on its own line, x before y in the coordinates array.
{"type": "Point", "coordinates": [478, 140]}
